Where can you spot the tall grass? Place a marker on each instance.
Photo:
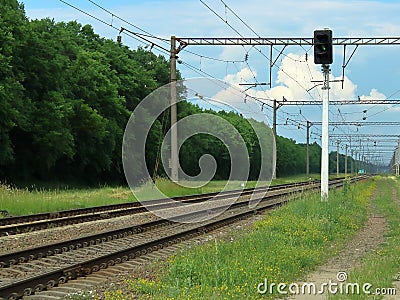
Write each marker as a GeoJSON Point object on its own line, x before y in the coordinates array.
{"type": "Point", "coordinates": [29, 200]}
{"type": "Point", "coordinates": [23, 201]}
{"type": "Point", "coordinates": [284, 245]}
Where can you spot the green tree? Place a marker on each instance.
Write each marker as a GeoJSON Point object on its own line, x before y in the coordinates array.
{"type": "Point", "coordinates": [66, 95]}
{"type": "Point", "coordinates": [13, 108]}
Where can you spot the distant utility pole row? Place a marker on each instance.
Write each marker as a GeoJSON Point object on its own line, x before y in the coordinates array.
{"type": "Point", "coordinates": [279, 104]}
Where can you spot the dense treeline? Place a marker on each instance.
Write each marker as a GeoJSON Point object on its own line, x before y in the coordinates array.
{"type": "Point", "coordinates": [66, 95]}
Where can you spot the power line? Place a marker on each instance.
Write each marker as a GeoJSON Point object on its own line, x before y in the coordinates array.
{"type": "Point", "coordinates": [139, 37]}
{"type": "Point", "coordinates": [231, 10]}
{"type": "Point", "coordinates": [367, 135]}
{"type": "Point", "coordinates": [338, 102]}
{"type": "Point", "coordinates": [236, 31]}
{"type": "Point", "coordinates": [163, 50]}
{"type": "Point", "coordinates": [251, 29]}
{"type": "Point", "coordinates": [225, 21]}
{"type": "Point", "coordinates": [147, 34]}
{"type": "Point", "coordinates": [123, 20]}
{"type": "Point", "coordinates": [165, 40]}
{"type": "Point", "coordinates": [345, 123]}
{"type": "Point", "coordinates": [110, 25]}
{"type": "Point", "coordinates": [270, 59]}
{"type": "Point", "coordinates": [150, 35]}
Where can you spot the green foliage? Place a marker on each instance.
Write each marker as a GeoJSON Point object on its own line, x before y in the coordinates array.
{"type": "Point", "coordinates": [66, 95]}
{"type": "Point", "coordinates": [291, 158]}
{"type": "Point", "coordinates": [12, 26]}
{"type": "Point", "coordinates": [65, 98]}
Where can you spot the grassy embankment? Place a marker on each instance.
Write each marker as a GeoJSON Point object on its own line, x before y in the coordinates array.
{"type": "Point", "coordinates": [382, 266]}
{"type": "Point", "coordinates": [281, 247]}
{"type": "Point", "coordinates": [21, 201]}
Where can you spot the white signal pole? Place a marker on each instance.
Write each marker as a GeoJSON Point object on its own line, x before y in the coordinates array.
{"type": "Point", "coordinates": [345, 160]}
{"type": "Point", "coordinates": [337, 158]}
{"type": "Point", "coordinates": [325, 135]}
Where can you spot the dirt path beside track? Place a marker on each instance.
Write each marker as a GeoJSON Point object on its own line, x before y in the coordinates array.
{"type": "Point", "coordinates": [336, 269]}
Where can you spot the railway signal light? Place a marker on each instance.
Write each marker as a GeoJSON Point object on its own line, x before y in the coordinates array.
{"type": "Point", "coordinates": [323, 47]}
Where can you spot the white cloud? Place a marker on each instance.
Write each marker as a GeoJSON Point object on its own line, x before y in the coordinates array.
{"type": "Point", "coordinates": [373, 95]}
{"type": "Point", "coordinates": [232, 53]}
{"type": "Point", "coordinates": [386, 29]}
{"type": "Point", "coordinates": [242, 76]}
{"type": "Point", "coordinates": [295, 82]}
{"type": "Point", "coordinates": [394, 108]}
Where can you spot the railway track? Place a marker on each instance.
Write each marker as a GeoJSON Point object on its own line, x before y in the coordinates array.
{"type": "Point", "coordinates": [30, 271]}
{"type": "Point", "coordinates": [27, 223]}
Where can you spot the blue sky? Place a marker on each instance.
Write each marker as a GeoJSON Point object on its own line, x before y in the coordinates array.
{"type": "Point", "coordinates": [372, 72]}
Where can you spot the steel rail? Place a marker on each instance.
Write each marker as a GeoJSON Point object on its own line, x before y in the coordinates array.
{"type": "Point", "coordinates": [20, 224]}
{"type": "Point", "coordinates": [49, 250]}
{"type": "Point", "coordinates": [14, 290]}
